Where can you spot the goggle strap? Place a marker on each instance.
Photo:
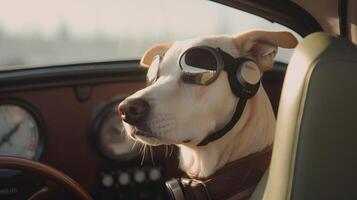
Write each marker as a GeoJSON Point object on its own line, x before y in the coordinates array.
{"type": "Point", "coordinates": [235, 118]}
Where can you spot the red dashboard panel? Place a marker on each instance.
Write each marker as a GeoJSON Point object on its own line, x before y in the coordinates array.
{"type": "Point", "coordinates": [67, 125]}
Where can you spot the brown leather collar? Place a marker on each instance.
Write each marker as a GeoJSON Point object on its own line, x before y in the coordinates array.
{"type": "Point", "coordinates": [236, 180]}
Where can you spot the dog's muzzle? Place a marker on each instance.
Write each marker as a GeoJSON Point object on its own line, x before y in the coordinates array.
{"type": "Point", "coordinates": [134, 111]}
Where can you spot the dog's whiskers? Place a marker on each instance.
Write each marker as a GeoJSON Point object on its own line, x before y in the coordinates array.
{"type": "Point", "coordinates": [152, 156]}
{"type": "Point", "coordinates": [134, 144]}
{"type": "Point", "coordinates": [141, 150]}
{"type": "Point", "coordinates": [144, 152]}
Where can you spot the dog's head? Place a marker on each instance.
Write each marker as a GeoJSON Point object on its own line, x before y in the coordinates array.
{"type": "Point", "coordinates": [172, 111]}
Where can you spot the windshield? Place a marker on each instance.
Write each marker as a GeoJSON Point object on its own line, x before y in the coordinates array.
{"type": "Point", "coordinates": [44, 33]}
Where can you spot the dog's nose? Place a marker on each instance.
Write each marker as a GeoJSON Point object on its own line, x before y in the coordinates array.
{"type": "Point", "coordinates": [133, 111]}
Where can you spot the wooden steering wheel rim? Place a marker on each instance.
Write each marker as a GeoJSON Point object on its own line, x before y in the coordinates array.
{"type": "Point", "coordinates": [7, 162]}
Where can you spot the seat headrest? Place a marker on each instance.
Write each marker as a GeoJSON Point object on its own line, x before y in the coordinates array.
{"type": "Point", "coordinates": [315, 146]}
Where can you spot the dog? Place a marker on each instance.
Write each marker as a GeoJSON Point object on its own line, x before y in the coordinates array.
{"type": "Point", "coordinates": [171, 111]}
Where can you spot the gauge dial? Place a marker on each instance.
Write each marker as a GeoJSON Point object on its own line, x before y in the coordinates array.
{"type": "Point", "coordinates": [19, 132]}
{"type": "Point", "coordinates": [110, 137]}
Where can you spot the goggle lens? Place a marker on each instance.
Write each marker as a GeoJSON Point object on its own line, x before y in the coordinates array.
{"type": "Point", "coordinates": [199, 65]}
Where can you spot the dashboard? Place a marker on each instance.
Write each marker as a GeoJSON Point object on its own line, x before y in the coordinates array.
{"type": "Point", "coordinates": [65, 117]}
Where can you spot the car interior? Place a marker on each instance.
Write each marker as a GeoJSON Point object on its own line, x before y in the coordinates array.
{"type": "Point", "coordinates": [65, 66]}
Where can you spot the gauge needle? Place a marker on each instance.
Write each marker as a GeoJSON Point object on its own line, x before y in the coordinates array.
{"type": "Point", "coordinates": [6, 137]}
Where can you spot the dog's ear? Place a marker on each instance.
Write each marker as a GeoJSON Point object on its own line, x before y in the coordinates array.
{"type": "Point", "coordinates": [262, 46]}
{"type": "Point", "coordinates": [158, 49]}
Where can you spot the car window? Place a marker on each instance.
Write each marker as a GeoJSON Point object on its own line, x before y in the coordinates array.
{"type": "Point", "coordinates": [66, 31]}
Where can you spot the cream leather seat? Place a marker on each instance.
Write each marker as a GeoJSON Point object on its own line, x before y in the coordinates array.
{"type": "Point", "coordinates": [315, 148]}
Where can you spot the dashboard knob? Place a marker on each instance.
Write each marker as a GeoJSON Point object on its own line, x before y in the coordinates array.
{"type": "Point", "coordinates": [124, 178]}
{"type": "Point", "coordinates": [107, 180]}
{"type": "Point", "coordinates": [139, 176]}
{"type": "Point", "coordinates": [155, 174]}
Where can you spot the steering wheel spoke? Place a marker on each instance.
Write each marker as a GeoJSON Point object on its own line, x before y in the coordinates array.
{"type": "Point", "coordinates": [45, 192]}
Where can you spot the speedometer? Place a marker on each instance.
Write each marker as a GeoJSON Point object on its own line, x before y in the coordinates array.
{"type": "Point", "coordinates": [19, 132]}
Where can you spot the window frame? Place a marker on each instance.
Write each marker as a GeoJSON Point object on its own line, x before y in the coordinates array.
{"type": "Point", "coordinates": [286, 13]}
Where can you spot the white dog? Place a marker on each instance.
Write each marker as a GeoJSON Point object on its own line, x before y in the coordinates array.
{"type": "Point", "coordinates": [171, 111]}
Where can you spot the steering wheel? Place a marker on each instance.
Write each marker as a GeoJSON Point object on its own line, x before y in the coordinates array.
{"type": "Point", "coordinates": [52, 176]}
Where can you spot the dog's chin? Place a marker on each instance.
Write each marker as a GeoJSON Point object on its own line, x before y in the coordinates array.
{"type": "Point", "coordinates": [144, 137]}
{"type": "Point", "coordinates": [147, 138]}
{"type": "Point", "coordinates": [150, 138]}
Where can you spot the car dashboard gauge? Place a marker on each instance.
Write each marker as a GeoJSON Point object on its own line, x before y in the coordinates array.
{"type": "Point", "coordinates": [109, 135]}
{"type": "Point", "coordinates": [19, 132]}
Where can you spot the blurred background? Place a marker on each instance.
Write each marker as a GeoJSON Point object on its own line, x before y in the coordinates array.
{"type": "Point", "coordinates": [37, 33]}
